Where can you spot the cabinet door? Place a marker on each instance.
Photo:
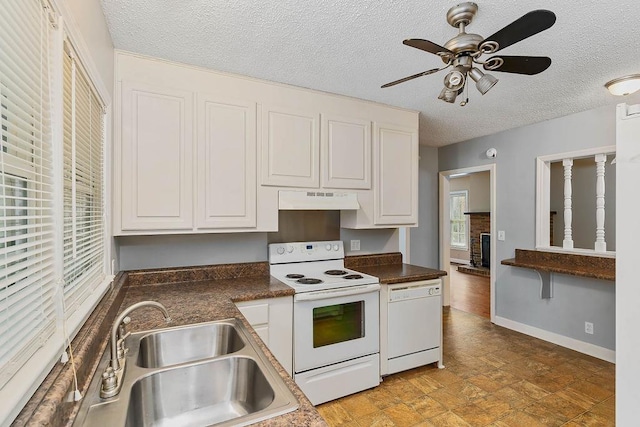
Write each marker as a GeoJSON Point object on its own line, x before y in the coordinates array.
{"type": "Point", "coordinates": [346, 152]}
{"type": "Point", "coordinates": [272, 319]}
{"type": "Point", "coordinates": [396, 160]}
{"type": "Point", "coordinates": [156, 149]}
{"type": "Point", "coordinates": [226, 163]}
{"type": "Point", "coordinates": [290, 148]}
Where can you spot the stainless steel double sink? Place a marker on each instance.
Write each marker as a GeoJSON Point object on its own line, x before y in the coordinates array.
{"type": "Point", "coordinates": [196, 375]}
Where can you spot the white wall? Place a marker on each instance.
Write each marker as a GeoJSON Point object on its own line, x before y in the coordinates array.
{"type": "Point", "coordinates": [87, 17]}
{"type": "Point", "coordinates": [628, 293]}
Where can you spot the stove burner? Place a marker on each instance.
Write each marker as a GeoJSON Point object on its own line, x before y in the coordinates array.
{"type": "Point", "coordinates": [335, 272]}
{"type": "Point", "coordinates": [294, 276]}
{"type": "Point", "coordinates": [308, 281]}
{"type": "Point", "coordinates": [353, 276]}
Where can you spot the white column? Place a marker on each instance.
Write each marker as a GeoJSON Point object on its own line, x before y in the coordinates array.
{"type": "Point", "coordinates": [567, 243]}
{"type": "Point", "coordinates": [600, 245]}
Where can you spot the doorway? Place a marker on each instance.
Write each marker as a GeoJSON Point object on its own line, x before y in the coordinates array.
{"type": "Point", "coordinates": [472, 290]}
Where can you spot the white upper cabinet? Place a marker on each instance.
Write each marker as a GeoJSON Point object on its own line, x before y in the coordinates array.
{"type": "Point", "coordinates": [226, 163]}
{"type": "Point", "coordinates": [290, 147]}
{"type": "Point", "coordinates": [198, 151]}
{"type": "Point", "coordinates": [156, 158]}
{"type": "Point", "coordinates": [346, 152]}
{"type": "Point", "coordinates": [396, 162]}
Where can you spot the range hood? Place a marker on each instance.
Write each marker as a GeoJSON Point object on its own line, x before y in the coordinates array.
{"type": "Point", "coordinates": [317, 200]}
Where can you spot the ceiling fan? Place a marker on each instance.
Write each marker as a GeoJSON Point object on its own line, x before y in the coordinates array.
{"type": "Point", "coordinates": [463, 51]}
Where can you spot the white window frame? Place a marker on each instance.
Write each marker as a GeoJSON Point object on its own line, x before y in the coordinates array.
{"type": "Point", "coordinates": [543, 199]}
{"type": "Point", "coordinates": [454, 246]}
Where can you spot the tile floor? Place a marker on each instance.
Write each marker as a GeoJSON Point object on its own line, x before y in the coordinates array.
{"type": "Point", "coordinates": [493, 377]}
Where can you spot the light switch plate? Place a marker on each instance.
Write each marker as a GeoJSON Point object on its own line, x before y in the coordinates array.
{"type": "Point", "coordinates": [355, 245]}
{"type": "Point", "coordinates": [501, 235]}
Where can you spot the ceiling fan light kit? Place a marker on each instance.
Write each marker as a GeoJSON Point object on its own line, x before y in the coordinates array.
{"type": "Point", "coordinates": [463, 51]}
{"type": "Point", "coordinates": [624, 85]}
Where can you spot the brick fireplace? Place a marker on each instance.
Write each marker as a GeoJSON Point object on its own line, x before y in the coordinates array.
{"type": "Point", "coordinates": [479, 222]}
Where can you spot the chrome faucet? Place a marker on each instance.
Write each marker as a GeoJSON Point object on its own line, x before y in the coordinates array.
{"type": "Point", "coordinates": [112, 376]}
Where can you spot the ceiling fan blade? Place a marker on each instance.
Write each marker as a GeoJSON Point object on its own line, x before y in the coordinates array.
{"type": "Point", "coordinates": [415, 76]}
{"type": "Point", "coordinates": [427, 46]}
{"type": "Point", "coordinates": [519, 64]}
{"type": "Point", "coordinates": [523, 27]}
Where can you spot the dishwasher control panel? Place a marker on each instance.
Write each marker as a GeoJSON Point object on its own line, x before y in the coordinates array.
{"type": "Point", "coordinates": [400, 293]}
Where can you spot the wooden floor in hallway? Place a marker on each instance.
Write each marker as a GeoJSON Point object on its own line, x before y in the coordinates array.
{"type": "Point", "coordinates": [470, 293]}
{"type": "Point", "coordinates": [493, 377]}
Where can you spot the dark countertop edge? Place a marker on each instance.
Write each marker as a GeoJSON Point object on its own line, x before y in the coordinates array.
{"type": "Point", "coordinates": [601, 274]}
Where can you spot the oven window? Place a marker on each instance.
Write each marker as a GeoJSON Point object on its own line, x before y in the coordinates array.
{"type": "Point", "coordinates": [338, 323]}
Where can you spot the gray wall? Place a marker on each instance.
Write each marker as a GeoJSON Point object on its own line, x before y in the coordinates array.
{"type": "Point", "coordinates": [142, 252]}
{"type": "Point", "coordinates": [575, 300]}
{"type": "Point", "coordinates": [424, 238]}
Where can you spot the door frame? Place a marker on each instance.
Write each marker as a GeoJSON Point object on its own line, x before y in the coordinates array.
{"type": "Point", "coordinates": [445, 235]}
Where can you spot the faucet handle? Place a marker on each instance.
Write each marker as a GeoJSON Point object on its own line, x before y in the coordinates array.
{"type": "Point", "coordinates": [109, 381]}
{"type": "Point", "coordinates": [122, 327]}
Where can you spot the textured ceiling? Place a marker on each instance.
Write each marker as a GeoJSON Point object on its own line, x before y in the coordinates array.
{"type": "Point", "coordinates": [353, 47]}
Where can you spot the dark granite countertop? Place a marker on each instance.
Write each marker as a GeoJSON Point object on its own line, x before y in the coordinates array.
{"type": "Point", "coordinates": [390, 269]}
{"type": "Point", "coordinates": [603, 268]}
{"type": "Point", "coordinates": [400, 273]}
{"type": "Point", "coordinates": [191, 295]}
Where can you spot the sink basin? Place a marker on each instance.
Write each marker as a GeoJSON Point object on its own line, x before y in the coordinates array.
{"type": "Point", "coordinates": [198, 395]}
{"type": "Point", "coordinates": [187, 344]}
{"type": "Point", "coordinates": [207, 374]}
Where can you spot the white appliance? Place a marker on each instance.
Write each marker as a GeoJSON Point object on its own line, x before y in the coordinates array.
{"type": "Point", "coordinates": [410, 325]}
{"type": "Point", "coordinates": [336, 319]}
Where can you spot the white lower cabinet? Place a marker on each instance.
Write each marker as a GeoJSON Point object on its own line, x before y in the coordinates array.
{"type": "Point", "coordinates": [272, 319]}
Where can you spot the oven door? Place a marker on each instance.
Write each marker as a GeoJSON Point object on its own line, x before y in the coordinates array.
{"type": "Point", "coordinates": [335, 325]}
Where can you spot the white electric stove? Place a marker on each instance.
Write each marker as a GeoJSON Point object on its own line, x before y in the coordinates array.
{"type": "Point", "coordinates": [336, 319]}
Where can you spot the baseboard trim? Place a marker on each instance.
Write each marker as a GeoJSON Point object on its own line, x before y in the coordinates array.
{"type": "Point", "coordinates": [460, 261]}
{"type": "Point", "coordinates": [571, 343]}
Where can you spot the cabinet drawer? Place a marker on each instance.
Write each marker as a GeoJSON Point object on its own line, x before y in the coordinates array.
{"type": "Point", "coordinates": [256, 314]}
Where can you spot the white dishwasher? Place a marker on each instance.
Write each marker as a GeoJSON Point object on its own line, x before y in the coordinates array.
{"type": "Point", "coordinates": [410, 325]}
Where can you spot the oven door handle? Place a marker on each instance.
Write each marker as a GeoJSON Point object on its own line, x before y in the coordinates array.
{"type": "Point", "coordinates": [339, 292]}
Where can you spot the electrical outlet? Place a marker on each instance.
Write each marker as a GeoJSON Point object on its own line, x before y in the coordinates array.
{"type": "Point", "coordinates": [355, 245]}
{"type": "Point", "coordinates": [588, 328]}
{"type": "Point", "coordinates": [501, 235]}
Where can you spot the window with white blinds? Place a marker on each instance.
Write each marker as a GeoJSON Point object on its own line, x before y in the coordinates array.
{"type": "Point", "coordinates": [27, 277]}
{"type": "Point", "coordinates": [83, 125]}
{"type": "Point", "coordinates": [52, 226]}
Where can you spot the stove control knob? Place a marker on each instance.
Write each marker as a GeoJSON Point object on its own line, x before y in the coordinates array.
{"type": "Point", "coordinates": [289, 249]}
{"type": "Point", "coordinates": [280, 250]}
{"type": "Point", "coordinates": [328, 247]}
{"type": "Point", "coordinates": [336, 247]}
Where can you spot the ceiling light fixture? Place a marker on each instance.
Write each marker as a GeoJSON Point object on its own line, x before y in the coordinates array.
{"type": "Point", "coordinates": [484, 82]}
{"type": "Point", "coordinates": [624, 85]}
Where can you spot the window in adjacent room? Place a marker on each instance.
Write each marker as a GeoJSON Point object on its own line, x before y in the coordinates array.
{"type": "Point", "coordinates": [458, 202]}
